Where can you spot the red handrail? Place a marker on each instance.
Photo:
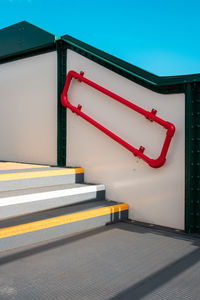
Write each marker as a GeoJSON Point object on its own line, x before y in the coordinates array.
{"type": "Point", "coordinates": [154, 163]}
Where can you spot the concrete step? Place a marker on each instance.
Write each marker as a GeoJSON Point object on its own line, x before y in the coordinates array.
{"type": "Point", "coordinates": [16, 176]}
{"type": "Point", "coordinates": [20, 202]}
{"type": "Point", "coordinates": [59, 222]}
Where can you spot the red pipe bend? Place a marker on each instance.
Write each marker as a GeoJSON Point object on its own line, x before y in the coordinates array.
{"type": "Point", "coordinates": [154, 163]}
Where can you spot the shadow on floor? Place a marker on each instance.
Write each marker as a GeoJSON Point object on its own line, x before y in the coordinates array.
{"type": "Point", "coordinates": [159, 278]}
{"type": "Point", "coordinates": [17, 254]}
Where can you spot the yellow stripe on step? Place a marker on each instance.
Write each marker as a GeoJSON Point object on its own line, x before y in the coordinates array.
{"type": "Point", "coordinates": [57, 221]}
{"type": "Point", "coordinates": [37, 174]}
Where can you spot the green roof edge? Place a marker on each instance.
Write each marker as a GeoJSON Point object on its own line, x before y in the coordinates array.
{"type": "Point", "coordinates": [23, 38]}
{"type": "Point", "coordinates": [143, 75]}
{"type": "Point", "coordinates": [33, 38]}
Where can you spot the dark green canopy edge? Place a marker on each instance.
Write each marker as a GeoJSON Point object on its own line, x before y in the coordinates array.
{"type": "Point", "coordinates": [23, 38]}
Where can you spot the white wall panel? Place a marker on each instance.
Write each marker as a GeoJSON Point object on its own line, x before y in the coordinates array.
{"type": "Point", "coordinates": [28, 109]}
{"type": "Point", "coordinates": [154, 195]}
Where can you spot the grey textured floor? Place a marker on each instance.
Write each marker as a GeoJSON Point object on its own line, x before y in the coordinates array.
{"type": "Point", "coordinates": [122, 261]}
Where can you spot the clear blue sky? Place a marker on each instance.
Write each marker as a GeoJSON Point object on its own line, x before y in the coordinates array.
{"type": "Point", "coordinates": [156, 35]}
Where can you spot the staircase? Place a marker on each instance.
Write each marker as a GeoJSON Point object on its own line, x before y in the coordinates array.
{"type": "Point", "coordinates": [39, 203]}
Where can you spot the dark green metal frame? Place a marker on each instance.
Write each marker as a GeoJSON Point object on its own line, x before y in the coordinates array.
{"type": "Point", "coordinates": [61, 111]}
{"type": "Point", "coordinates": [192, 151]}
{"type": "Point", "coordinates": [33, 41]}
{"type": "Point", "coordinates": [160, 84]}
{"type": "Point", "coordinates": [22, 39]}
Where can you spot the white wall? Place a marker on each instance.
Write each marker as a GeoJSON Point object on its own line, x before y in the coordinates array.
{"type": "Point", "coordinates": [154, 195]}
{"type": "Point", "coordinates": [28, 109]}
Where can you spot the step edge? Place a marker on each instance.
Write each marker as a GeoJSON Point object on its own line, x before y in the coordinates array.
{"type": "Point", "coordinates": [61, 220]}
{"type": "Point", "coordinates": [29, 198]}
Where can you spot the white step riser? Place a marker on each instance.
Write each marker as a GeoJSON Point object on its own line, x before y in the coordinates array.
{"type": "Point", "coordinates": [25, 204]}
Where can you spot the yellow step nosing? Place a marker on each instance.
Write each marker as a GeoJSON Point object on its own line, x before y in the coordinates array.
{"type": "Point", "coordinates": [37, 174]}
{"type": "Point", "coordinates": [57, 221]}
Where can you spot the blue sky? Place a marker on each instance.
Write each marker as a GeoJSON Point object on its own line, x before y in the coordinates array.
{"type": "Point", "coordinates": [156, 35]}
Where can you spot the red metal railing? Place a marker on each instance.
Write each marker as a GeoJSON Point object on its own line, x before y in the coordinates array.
{"type": "Point", "coordinates": [154, 163]}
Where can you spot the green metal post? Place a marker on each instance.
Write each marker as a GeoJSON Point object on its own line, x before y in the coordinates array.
{"type": "Point", "coordinates": [192, 154]}
{"type": "Point", "coordinates": [61, 111]}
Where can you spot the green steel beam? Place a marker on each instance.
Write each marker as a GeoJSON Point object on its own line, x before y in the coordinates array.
{"type": "Point", "coordinates": [162, 84]}
{"type": "Point", "coordinates": [192, 158]}
{"type": "Point", "coordinates": [61, 111]}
